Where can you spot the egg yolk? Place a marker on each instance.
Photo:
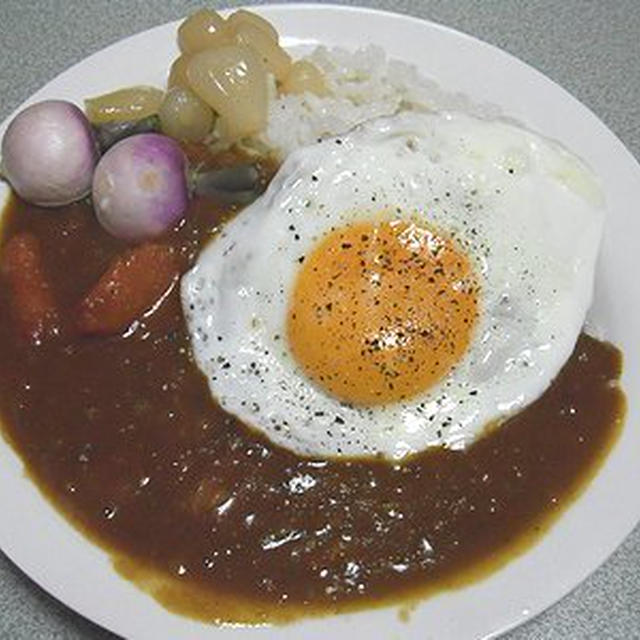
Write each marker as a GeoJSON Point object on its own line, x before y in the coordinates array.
{"type": "Point", "coordinates": [381, 311]}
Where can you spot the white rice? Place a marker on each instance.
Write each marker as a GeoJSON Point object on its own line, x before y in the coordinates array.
{"type": "Point", "coordinates": [364, 84]}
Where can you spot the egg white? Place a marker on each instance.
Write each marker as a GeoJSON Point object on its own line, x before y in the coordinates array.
{"type": "Point", "coordinates": [527, 212]}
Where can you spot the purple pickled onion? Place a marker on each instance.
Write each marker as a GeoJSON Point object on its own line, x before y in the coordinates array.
{"type": "Point", "coordinates": [140, 186]}
{"type": "Point", "coordinates": [49, 153]}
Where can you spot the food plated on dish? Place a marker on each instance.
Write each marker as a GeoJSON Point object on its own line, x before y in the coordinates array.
{"type": "Point", "coordinates": [447, 255]}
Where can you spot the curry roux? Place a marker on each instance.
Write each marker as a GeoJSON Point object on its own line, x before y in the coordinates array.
{"type": "Point", "coordinates": [122, 435]}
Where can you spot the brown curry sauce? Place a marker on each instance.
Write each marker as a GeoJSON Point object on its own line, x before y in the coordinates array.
{"type": "Point", "coordinates": [122, 435]}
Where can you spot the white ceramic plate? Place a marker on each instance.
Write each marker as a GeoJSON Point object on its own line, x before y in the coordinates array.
{"type": "Point", "coordinates": [60, 560]}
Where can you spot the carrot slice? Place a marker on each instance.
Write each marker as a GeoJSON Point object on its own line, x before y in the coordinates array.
{"type": "Point", "coordinates": [31, 296]}
{"type": "Point", "coordinates": [133, 284]}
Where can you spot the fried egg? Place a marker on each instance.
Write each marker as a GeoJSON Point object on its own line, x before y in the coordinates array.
{"type": "Point", "coordinates": [400, 287]}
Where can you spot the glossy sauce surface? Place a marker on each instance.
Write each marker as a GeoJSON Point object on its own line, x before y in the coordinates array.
{"type": "Point", "coordinates": [122, 435]}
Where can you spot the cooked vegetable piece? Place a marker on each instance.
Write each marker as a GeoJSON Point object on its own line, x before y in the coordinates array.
{"type": "Point", "coordinates": [109, 133]}
{"type": "Point", "coordinates": [132, 285]}
{"type": "Point", "coordinates": [304, 76]}
{"type": "Point", "coordinates": [244, 17]}
{"type": "Point", "coordinates": [275, 59]}
{"type": "Point", "coordinates": [140, 187]}
{"type": "Point", "coordinates": [32, 300]}
{"type": "Point", "coordinates": [178, 72]}
{"type": "Point", "coordinates": [234, 185]}
{"type": "Point", "coordinates": [49, 153]}
{"type": "Point", "coordinates": [202, 30]}
{"type": "Point", "coordinates": [184, 116]}
{"type": "Point", "coordinates": [132, 103]}
{"type": "Point", "coordinates": [232, 81]}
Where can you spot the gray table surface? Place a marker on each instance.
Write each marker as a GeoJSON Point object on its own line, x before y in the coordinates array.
{"type": "Point", "coordinates": [591, 48]}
